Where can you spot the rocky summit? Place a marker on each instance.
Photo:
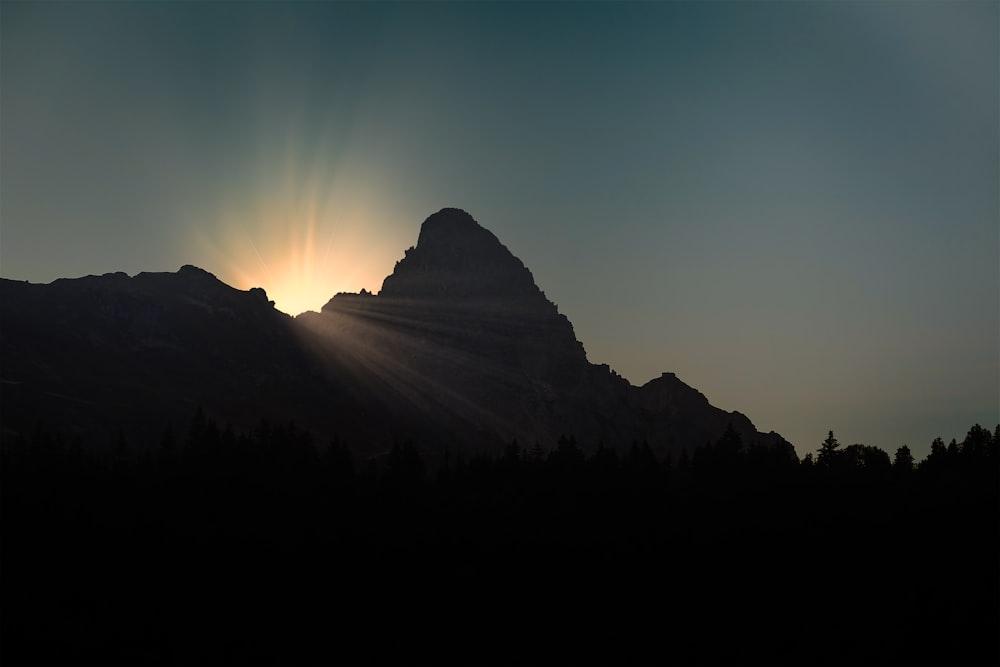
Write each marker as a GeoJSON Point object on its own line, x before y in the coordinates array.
{"type": "Point", "coordinates": [459, 350]}
{"type": "Point", "coordinates": [456, 259]}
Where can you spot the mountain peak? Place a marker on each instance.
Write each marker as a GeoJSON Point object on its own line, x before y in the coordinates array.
{"type": "Point", "coordinates": [456, 258]}
{"type": "Point", "coordinates": [450, 224]}
{"type": "Point", "coordinates": [195, 272]}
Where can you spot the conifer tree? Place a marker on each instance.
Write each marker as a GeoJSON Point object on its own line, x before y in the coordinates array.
{"type": "Point", "coordinates": [903, 461]}
{"type": "Point", "coordinates": [828, 451]}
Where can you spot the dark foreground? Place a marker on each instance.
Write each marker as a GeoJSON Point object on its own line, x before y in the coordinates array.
{"type": "Point", "coordinates": [261, 548]}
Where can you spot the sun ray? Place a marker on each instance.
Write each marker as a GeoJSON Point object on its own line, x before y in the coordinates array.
{"type": "Point", "coordinates": [313, 209]}
{"type": "Point", "coordinates": [403, 348]}
{"type": "Point", "coordinates": [261, 259]}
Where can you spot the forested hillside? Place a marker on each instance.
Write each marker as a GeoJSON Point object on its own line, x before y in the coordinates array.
{"type": "Point", "coordinates": [266, 547]}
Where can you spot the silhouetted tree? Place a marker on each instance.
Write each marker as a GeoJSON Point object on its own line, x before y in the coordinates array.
{"type": "Point", "coordinates": [976, 444]}
{"type": "Point", "coordinates": [223, 566]}
{"type": "Point", "coordinates": [828, 451]}
{"type": "Point", "coordinates": [864, 457]}
{"type": "Point", "coordinates": [953, 451]}
{"type": "Point", "coordinates": [937, 459]}
{"type": "Point", "coordinates": [903, 460]}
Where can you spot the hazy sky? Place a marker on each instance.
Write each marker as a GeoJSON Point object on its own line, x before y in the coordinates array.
{"type": "Point", "coordinates": [793, 206]}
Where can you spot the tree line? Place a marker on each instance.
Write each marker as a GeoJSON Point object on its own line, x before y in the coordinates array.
{"type": "Point", "coordinates": [263, 547]}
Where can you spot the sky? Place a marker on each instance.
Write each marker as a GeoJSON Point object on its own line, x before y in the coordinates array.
{"type": "Point", "coordinates": [794, 206]}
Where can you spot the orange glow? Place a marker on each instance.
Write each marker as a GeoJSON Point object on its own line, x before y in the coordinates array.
{"type": "Point", "coordinates": [301, 258]}
{"type": "Point", "coordinates": [302, 235]}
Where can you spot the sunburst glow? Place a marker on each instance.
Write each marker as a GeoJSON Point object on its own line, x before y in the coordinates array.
{"type": "Point", "coordinates": [300, 257]}
{"type": "Point", "coordinates": [302, 235]}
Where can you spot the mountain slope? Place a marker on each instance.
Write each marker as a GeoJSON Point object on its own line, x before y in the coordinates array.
{"type": "Point", "coordinates": [100, 355]}
{"type": "Point", "coordinates": [461, 330]}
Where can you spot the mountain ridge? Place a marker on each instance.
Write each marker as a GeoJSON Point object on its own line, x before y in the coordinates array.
{"type": "Point", "coordinates": [459, 349]}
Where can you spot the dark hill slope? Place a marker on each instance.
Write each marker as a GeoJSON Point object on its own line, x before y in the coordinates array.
{"type": "Point", "coordinates": [100, 355]}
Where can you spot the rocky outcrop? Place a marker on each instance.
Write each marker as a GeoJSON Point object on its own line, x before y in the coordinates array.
{"type": "Point", "coordinates": [676, 416]}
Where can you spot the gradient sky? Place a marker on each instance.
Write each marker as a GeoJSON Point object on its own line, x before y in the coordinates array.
{"type": "Point", "coordinates": [793, 206]}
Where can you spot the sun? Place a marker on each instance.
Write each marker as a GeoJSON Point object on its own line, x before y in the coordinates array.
{"type": "Point", "coordinates": [304, 218]}
{"type": "Point", "coordinates": [302, 251]}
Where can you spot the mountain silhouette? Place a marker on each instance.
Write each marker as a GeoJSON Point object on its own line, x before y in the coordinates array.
{"type": "Point", "coordinates": [110, 355]}
{"type": "Point", "coordinates": [459, 350]}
